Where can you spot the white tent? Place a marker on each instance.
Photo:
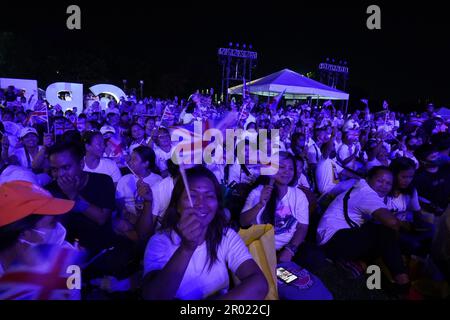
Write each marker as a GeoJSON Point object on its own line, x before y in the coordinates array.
{"type": "Point", "coordinates": [297, 87]}
{"type": "Point", "coordinates": [444, 113]}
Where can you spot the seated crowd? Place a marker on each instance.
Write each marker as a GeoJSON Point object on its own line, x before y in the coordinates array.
{"type": "Point", "coordinates": [350, 191]}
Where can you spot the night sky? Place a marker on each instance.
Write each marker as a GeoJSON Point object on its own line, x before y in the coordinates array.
{"type": "Point", "coordinates": [173, 47]}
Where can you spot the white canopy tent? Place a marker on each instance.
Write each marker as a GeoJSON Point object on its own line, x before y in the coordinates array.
{"type": "Point", "coordinates": [444, 113]}
{"type": "Point", "coordinates": [297, 87]}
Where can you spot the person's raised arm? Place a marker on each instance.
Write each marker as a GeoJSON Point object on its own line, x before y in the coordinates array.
{"type": "Point", "coordinates": [39, 159]}
{"type": "Point", "coordinates": [349, 159]}
{"type": "Point", "coordinates": [248, 217]}
{"type": "Point", "coordinates": [145, 225]}
{"type": "Point", "coordinates": [164, 284]}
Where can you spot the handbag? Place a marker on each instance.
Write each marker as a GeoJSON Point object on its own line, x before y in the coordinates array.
{"type": "Point", "coordinates": [260, 241]}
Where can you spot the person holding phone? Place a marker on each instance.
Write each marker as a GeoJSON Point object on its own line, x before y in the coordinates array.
{"type": "Point", "coordinates": [280, 203]}
{"type": "Point", "coordinates": [191, 256]}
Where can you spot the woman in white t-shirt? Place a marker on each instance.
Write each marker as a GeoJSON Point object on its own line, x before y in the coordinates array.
{"type": "Point", "coordinates": [358, 225]}
{"type": "Point", "coordinates": [93, 161]}
{"type": "Point", "coordinates": [138, 137]}
{"type": "Point", "coordinates": [407, 150]}
{"type": "Point", "coordinates": [163, 150]}
{"type": "Point", "coordinates": [302, 181]}
{"type": "Point", "coordinates": [403, 201]}
{"type": "Point", "coordinates": [280, 203]}
{"type": "Point", "coordinates": [31, 156]}
{"type": "Point", "coordinates": [134, 196]}
{"type": "Point", "coordinates": [192, 255]}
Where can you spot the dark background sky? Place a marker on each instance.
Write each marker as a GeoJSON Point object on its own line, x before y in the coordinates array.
{"type": "Point", "coordinates": [173, 46]}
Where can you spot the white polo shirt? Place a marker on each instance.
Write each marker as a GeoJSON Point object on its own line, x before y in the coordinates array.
{"type": "Point", "coordinates": [361, 205]}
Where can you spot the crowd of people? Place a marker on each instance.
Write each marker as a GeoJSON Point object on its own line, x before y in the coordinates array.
{"type": "Point", "coordinates": [367, 187]}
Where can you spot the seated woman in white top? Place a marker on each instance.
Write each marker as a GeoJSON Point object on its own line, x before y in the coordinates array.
{"type": "Point", "coordinates": [31, 155]}
{"type": "Point", "coordinates": [302, 181]}
{"type": "Point", "coordinates": [358, 225]}
{"type": "Point", "coordinates": [191, 257]}
{"type": "Point", "coordinates": [245, 168]}
{"type": "Point", "coordinates": [280, 203]}
{"type": "Point", "coordinates": [138, 137]}
{"type": "Point", "coordinates": [150, 130]}
{"type": "Point", "coordinates": [377, 155]}
{"type": "Point", "coordinates": [93, 161]}
{"type": "Point", "coordinates": [403, 201]}
{"type": "Point", "coordinates": [163, 150]}
{"type": "Point", "coordinates": [407, 150]}
{"type": "Point", "coordinates": [134, 197]}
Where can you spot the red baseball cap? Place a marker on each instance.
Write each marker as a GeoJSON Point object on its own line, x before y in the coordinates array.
{"type": "Point", "coordinates": [19, 199]}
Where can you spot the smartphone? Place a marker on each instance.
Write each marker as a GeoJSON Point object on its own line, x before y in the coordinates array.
{"type": "Point", "coordinates": [286, 275]}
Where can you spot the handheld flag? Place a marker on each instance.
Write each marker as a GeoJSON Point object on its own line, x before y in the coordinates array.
{"type": "Point", "coordinates": [245, 92]}
{"type": "Point", "coordinates": [273, 104]}
{"type": "Point", "coordinates": [167, 117]}
{"type": "Point", "coordinates": [327, 103]}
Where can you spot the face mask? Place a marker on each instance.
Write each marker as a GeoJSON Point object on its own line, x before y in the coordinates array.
{"type": "Point", "coordinates": [54, 235]}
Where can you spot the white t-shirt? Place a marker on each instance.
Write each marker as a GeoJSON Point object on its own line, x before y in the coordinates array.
{"type": "Point", "coordinates": [126, 191]}
{"type": "Point", "coordinates": [303, 181]}
{"type": "Point", "coordinates": [327, 175]}
{"type": "Point", "coordinates": [162, 157]}
{"type": "Point", "coordinates": [362, 203]}
{"type": "Point", "coordinates": [236, 173]}
{"type": "Point", "coordinates": [373, 163]}
{"type": "Point", "coordinates": [403, 204]}
{"type": "Point", "coordinates": [14, 173]}
{"type": "Point", "coordinates": [376, 163]}
{"type": "Point", "coordinates": [314, 154]}
{"type": "Point", "coordinates": [108, 167]}
{"type": "Point", "coordinates": [346, 151]}
{"type": "Point", "coordinates": [337, 144]}
{"type": "Point", "coordinates": [22, 157]}
{"type": "Point", "coordinates": [187, 118]}
{"type": "Point", "coordinates": [292, 209]}
{"type": "Point", "coordinates": [199, 282]}
{"type": "Point", "coordinates": [350, 124]}
{"type": "Point", "coordinates": [162, 192]}
{"type": "Point", "coordinates": [134, 145]}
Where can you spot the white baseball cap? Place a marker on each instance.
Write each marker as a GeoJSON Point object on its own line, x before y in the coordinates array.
{"type": "Point", "coordinates": [26, 131]}
{"type": "Point", "coordinates": [106, 129]}
{"type": "Point", "coordinates": [112, 110]}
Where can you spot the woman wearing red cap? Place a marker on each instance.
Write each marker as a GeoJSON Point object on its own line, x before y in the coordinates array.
{"type": "Point", "coordinates": [26, 221]}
